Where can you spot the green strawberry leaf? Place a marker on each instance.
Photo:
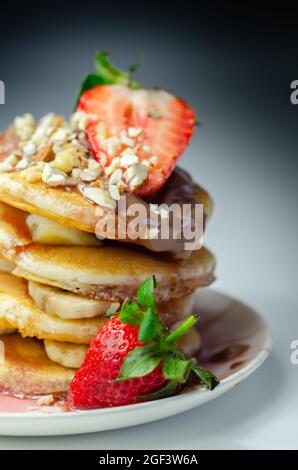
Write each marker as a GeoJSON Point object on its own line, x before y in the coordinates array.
{"type": "Point", "coordinates": [146, 294]}
{"type": "Point", "coordinates": [110, 74]}
{"type": "Point", "coordinates": [141, 351]}
{"type": "Point", "coordinates": [90, 81]}
{"type": "Point", "coordinates": [131, 314]}
{"type": "Point", "coordinates": [176, 369]}
{"type": "Point", "coordinates": [205, 376]}
{"type": "Point", "coordinates": [160, 346]}
{"type": "Point", "coordinates": [182, 329]}
{"type": "Point", "coordinates": [134, 67]}
{"type": "Point", "coordinates": [139, 362]}
{"type": "Point", "coordinates": [107, 74]}
{"type": "Point", "coordinates": [149, 326]}
{"type": "Point", "coordinates": [167, 391]}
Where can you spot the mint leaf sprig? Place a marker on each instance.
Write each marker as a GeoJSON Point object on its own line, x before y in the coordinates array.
{"type": "Point", "coordinates": [107, 74]}
{"type": "Point", "coordinates": [159, 346]}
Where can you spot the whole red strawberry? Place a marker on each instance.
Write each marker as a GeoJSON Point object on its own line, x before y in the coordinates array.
{"type": "Point", "coordinates": [133, 358]}
{"type": "Point", "coordinates": [94, 384]}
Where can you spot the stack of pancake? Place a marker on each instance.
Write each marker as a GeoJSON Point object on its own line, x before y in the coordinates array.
{"type": "Point", "coordinates": [58, 280]}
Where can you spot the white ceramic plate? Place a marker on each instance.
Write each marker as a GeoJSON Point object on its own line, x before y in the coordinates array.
{"type": "Point", "coordinates": [236, 341]}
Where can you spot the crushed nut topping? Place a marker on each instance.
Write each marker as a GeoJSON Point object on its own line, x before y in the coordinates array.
{"type": "Point", "coordinates": [134, 132]}
{"type": "Point", "coordinates": [128, 159]}
{"type": "Point", "coordinates": [46, 400]}
{"type": "Point", "coordinates": [125, 152]}
{"type": "Point", "coordinates": [5, 166]}
{"type": "Point", "coordinates": [25, 126]}
{"type": "Point", "coordinates": [99, 196]}
{"type": "Point", "coordinates": [33, 174]}
{"type": "Point", "coordinates": [22, 164]}
{"type": "Point", "coordinates": [136, 174]}
{"type": "Point", "coordinates": [53, 141]}
{"type": "Point", "coordinates": [53, 177]}
{"type": "Point", "coordinates": [116, 176]}
{"type": "Point", "coordinates": [92, 172]}
{"type": "Point", "coordinates": [56, 152]}
{"type": "Point", "coordinates": [114, 192]}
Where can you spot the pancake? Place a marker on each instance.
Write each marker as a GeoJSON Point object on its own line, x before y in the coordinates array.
{"type": "Point", "coordinates": [6, 328]}
{"type": "Point", "coordinates": [106, 271]}
{"type": "Point", "coordinates": [27, 370]}
{"type": "Point", "coordinates": [66, 305]}
{"type": "Point", "coordinates": [9, 141]}
{"type": "Point", "coordinates": [13, 228]}
{"type": "Point", "coordinates": [111, 272]}
{"type": "Point", "coordinates": [69, 207]}
{"type": "Point", "coordinates": [18, 309]}
{"type": "Point", "coordinates": [72, 209]}
{"type": "Point", "coordinates": [18, 228]}
{"type": "Point", "coordinates": [6, 266]}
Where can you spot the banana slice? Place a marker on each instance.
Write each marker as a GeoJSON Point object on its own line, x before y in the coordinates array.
{"type": "Point", "coordinates": [51, 233]}
{"type": "Point", "coordinates": [55, 301]}
{"type": "Point", "coordinates": [17, 308]}
{"type": "Point", "coordinates": [65, 354]}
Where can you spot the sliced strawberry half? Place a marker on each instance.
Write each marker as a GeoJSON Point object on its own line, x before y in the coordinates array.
{"type": "Point", "coordinates": [152, 124]}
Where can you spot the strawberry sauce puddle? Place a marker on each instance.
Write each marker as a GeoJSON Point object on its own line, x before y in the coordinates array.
{"type": "Point", "coordinates": [19, 404]}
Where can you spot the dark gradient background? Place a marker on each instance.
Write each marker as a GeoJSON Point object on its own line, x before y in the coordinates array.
{"type": "Point", "coordinates": [234, 66]}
